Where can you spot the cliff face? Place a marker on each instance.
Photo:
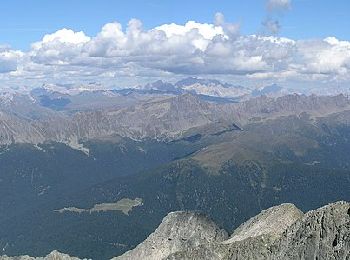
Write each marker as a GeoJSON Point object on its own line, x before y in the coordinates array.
{"type": "Point", "coordinates": [321, 234]}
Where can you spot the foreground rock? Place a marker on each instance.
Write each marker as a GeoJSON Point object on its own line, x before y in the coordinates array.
{"type": "Point", "coordinates": [281, 232]}
{"type": "Point", "coordinates": [273, 222]}
{"type": "Point", "coordinates": [178, 231]}
{"type": "Point", "coordinates": [249, 240]}
{"type": "Point", "coordinates": [321, 234]}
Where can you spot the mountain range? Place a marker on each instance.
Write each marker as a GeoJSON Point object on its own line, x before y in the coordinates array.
{"type": "Point", "coordinates": [46, 116]}
{"type": "Point", "coordinates": [93, 173]}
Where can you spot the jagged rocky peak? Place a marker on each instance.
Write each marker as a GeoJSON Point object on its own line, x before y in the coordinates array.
{"type": "Point", "coordinates": [251, 239]}
{"type": "Point", "coordinates": [211, 88]}
{"type": "Point", "coordinates": [321, 234]}
{"type": "Point", "coordinates": [273, 222]}
{"type": "Point", "coordinates": [54, 255]}
{"type": "Point", "coordinates": [161, 86]}
{"type": "Point", "coordinates": [178, 231]}
{"type": "Point", "coordinates": [193, 80]}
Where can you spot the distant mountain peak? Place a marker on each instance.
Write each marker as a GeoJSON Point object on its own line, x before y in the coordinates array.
{"type": "Point", "coordinates": [193, 80]}
{"type": "Point", "coordinates": [161, 86]}
{"type": "Point", "coordinates": [211, 88]}
{"type": "Point", "coordinates": [267, 90]}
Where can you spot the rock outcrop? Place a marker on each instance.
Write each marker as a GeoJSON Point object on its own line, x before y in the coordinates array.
{"type": "Point", "coordinates": [178, 231]}
{"type": "Point", "coordinates": [281, 232]}
{"type": "Point", "coordinates": [249, 240]}
{"type": "Point", "coordinates": [321, 234]}
{"type": "Point", "coordinates": [273, 222]}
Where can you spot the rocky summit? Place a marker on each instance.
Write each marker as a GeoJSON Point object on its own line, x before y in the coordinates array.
{"type": "Point", "coordinates": [179, 231]}
{"type": "Point", "coordinates": [272, 222]}
{"type": "Point", "coordinates": [321, 234]}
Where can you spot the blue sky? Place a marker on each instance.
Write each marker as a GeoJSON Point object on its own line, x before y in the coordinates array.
{"type": "Point", "coordinates": [299, 44]}
{"type": "Point", "coordinates": [25, 21]}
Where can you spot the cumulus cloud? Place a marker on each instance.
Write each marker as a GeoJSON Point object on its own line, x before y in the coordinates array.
{"type": "Point", "coordinates": [118, 54]}
{"type": "Point", "coordinates": [329, 56]}
{"type": "Point", "coordinates": [59, 47]}
{"type": "Point", "coordinates": [207, 31]}
{"type": "Point", "coordinates": [65, 36]}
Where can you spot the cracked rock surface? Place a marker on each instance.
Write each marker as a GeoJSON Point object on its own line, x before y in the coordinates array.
{"type": "Point", "coordinates": [321, 234]}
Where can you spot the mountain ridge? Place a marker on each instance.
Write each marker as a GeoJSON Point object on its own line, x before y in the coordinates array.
{"type": "Point", "coordinates": [163, 118]}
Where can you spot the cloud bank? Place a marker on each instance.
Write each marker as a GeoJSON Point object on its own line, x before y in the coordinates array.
{"type": "Point", "coordinates": [130, 54]}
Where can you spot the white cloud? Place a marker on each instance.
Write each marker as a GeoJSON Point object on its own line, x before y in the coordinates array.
{"type": "Point", "coordinates": [207, 31]}
{"type": "Point", "coordinates": [66, 36]}
{"type": "Point", "coordinates": [59, 47]}
{"type": "Point", "coordinates": [329, 57]}
{"type": "Point", "coordinates": [120, 55]}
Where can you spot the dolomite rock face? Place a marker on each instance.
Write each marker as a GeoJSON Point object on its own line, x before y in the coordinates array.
{"type": "Point", "coordinates": [321, 234]}
{"type": "Point", "coordinates": [54, 255]}
{"type": "Point", "coordinates": [178, 231]}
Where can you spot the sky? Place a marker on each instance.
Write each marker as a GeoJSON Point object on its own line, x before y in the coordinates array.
{"type": "Point", "coordinates": [300, 43]}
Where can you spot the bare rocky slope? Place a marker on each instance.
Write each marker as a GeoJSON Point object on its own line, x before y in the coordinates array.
{"type": "Point", "coordinates": [280, 232]}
